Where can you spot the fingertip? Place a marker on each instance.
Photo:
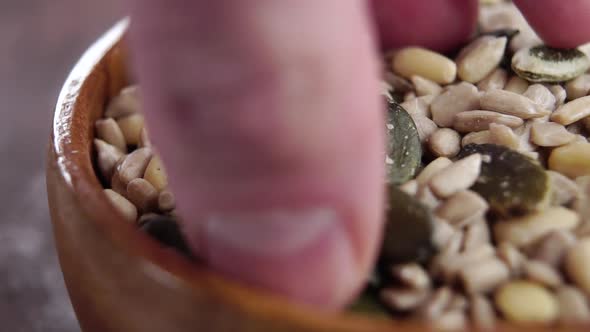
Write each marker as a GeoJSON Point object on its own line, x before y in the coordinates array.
{"type": "Point", "coordinates": [437, 25]}
{"type": "Point", "coordinates": [559, 23]}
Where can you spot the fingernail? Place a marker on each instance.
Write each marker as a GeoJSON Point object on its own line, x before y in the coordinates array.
{"type": "Point", "coordinates": [304, 255]}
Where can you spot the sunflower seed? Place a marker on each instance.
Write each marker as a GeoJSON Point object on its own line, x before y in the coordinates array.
{"type": "Point", "coordinates": [516, 84]}
{"type": "Point", "coordinates": [510, 103]}
{"type": "Point", "coordinates": [480, 58]}
{"type": "Point", "coordinates": [550, 134]}
{"type": "Point", "coordinates": [573, 111]}
{"type": "Point", "coordinates": [456, 177]}
{"type": "Point", "coordinates": [458, 98]}
{"type": "Point", "coordinates": [495, 80]}
{"type": "Point", "coordinates": [470, 121]}
{"type": "Point", "coordinates": [425, 87]}
{"type": "Point", "coordinates": [444, 142]}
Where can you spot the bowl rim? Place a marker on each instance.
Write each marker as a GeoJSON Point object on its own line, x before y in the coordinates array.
{"type": "Point", "coordinates": [77, 174]}
{"type": "Point", "coordinates": [75, 168]}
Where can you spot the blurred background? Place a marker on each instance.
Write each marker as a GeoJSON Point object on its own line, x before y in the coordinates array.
{"type": "Point", "coordinates": [40, 40]}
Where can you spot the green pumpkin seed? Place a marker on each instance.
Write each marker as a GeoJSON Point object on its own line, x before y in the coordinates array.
{"type": "Point", "coordinates": [512, 183]}
{"type": "Point", "coordinates": [404, 148]}
{"type": "Point", "coordinates": [408, 230]}
{"type": "Point", "coordinates": [546, 64]}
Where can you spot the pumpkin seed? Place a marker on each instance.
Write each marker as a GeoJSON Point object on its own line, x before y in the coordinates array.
{"type": "Point", "coordinates": [546, 64]}
{"type": "Point", "coordinates": [408, 229]}
{"type": "Point", "coordinates": [511, 182]}
{"type": "Point", "coordinates": [404, 148]}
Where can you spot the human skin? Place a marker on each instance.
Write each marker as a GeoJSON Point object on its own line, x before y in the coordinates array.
{"type": "Point", "coordinates": [268, 118]}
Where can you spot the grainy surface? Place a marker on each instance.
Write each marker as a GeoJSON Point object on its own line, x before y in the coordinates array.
{"type": "Point", "coordinates": [40, 40]}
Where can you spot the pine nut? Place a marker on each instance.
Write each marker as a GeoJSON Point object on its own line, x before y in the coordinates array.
{"type": "Point", "coordinates": [484, 276]}
{"type": "Point", "coordinates": [131, 127]}
{"type": "Point", "coordinates": [443, 232]}
{"type": "Point", "coordinates": [477, 137]}
{"type": "Point", "coordinates": [572, 111]}
{"type": "Point", "coordinates": [419, 106]}
{"type": "Point", "coordinates": [426, 197]}
{"type": "Point", "coordinates": [476, 234]}
{"type": "Point", "coordinates": [166, 201]}
{"type": "Point", "coordinates": [108, 131]}
{"type": "Point", "coordinates": [134, 165]}
{"type": "Point", "coordinates": [577, 264]}
{"type": "Point", "coordinates": [436, 304]}
{"type": "Point", "coordinates": [482, 312]}
{"type": "Point", "coordinates": [560, 94]}
{"type": "Point", "coordinates": [451, 266]}
{"type": "Point", "coordinates": [512, 257]}
{"type": "Point", "coordinates": [480, 58]}
{"type": "Point", "coordinates": [126, 208]}
{"type": "Point", "coordinates": [578, 87]}
{"type": "Point", "coordinates": [523, 231]}
{"type": "Point", "coordinates": [458, 98]}
{"type": "Point", "coordinates": [510, 103]}
{"type": "Point", "coordinates": [428, 64]}
{"type": "Point", "coordinates": [144, 139]}
{"type": "Point", "coordinates": [542, 273]}
{"type": "Point", "coordinates": [573, 305]}
{"type": "Point", "coordinates": [156, 174]}
{"type": "Point", "coordinates": [495, 80]}
{"type": "Point", "coordinates": [126, 103]}
{"type": "Point", "coordinates": [550, 134]}
{"type": "Point", "coordinates": [412, 275]}
{"type": "Point", "coordinates": [434, 167]}
{"type": "Point", "coordinates": [452, 320]}
{"type": "Point", "coordinates": [563, 190]}
{"type": "Point", "coordinates": [107, 158]}
{"type": "Point", "coordinates": [459, 176]}
{"type": "Point", "coordinates": [425, 87]}
{"type": "Point", "coordinates": [403, 299]}
{"type": "Point", "coordinates": [553, 247]}
{"type": "Point", "coordinates": [463, 208]}
{"type": "Point", "coordinates": [503, 135]}
{"type": "Point", "coordinates": [526, 302]}
{"type": "Point", "coordinates": [425, 127]}
{"type": "Point", "coordinates": [517, 85]}
{"type": "Point", "coordinates": [141, 193]}
{"type": "Point", "coordinates": [444, 142]}
{"type": "Point", "coordinates": [466, 122]}
{"type": "Point", "coordinates": [459, 302]}
{"type": "Point", "coordinates": [572, 160]}
{"type": "Point", "coordinates": [541, 96]}
{"type": "Point", "coordinates": [410, 187]}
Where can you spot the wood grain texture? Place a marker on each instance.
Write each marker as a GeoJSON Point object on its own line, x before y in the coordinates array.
{"type": "Point", "coordinates": [40, 40]}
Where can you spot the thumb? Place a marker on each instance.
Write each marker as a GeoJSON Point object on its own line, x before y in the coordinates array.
{"type": "Point", "coordinates": [268, 117]}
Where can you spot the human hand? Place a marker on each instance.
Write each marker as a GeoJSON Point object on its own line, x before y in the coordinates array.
{"type": "Point", "coordinates": [268, 116]}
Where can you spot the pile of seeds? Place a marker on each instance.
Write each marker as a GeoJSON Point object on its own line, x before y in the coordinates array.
{"type": "Point", "coordinates": [132, 171]}
{"type": "Point", "coordinates": [488, 176]}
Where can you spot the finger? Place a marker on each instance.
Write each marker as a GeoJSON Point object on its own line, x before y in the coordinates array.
{"type": "Point", "coordinates": [441, 25]}
{"type": "Point", "coordinates": [267, 115]}
{"type": "Point", "coordinates": [559, 23]}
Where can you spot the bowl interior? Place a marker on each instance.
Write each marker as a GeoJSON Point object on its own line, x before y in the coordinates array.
{"type": "Point", "coordinates": [100, 75]}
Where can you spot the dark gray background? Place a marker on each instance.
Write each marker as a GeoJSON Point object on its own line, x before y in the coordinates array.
{"type": "Point", "coordinates": [40, 40]}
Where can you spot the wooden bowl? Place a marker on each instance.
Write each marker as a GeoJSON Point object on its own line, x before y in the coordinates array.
{"type": "Point", "coordinates": [118, 278]}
